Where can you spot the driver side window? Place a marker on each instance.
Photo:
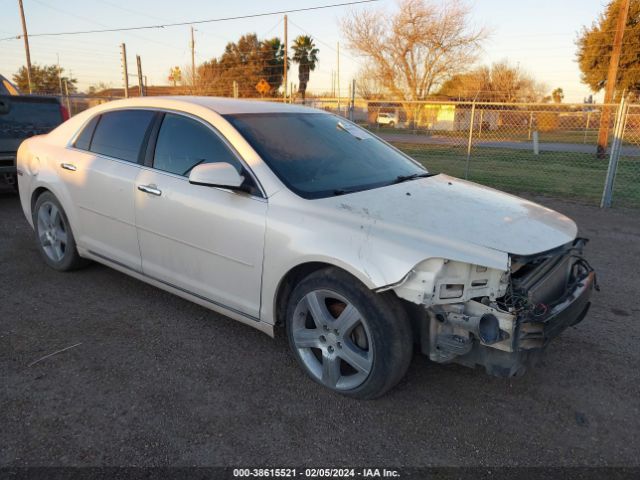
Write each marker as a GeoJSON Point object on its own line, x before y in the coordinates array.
{"type": "Point", "coordinates": [184, 143]}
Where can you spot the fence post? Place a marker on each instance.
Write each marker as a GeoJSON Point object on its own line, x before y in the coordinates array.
{"type": "Point", "coordinates": [66, 94]}
{"type": "Point", "coordinates": [614, 156]}
{"type": "Point", "coordinates": [586, 130]}
{"type": "Point", "coordinates": [530, 124]}
{"type": "Point", "coordinates": [473, 113]}
{"type": "Point", "coordinates": [352, 105]}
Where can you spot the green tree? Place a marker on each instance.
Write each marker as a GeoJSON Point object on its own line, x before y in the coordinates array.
{"type": "Point", "coordinates": [501, 82]}
{"type": "Point", "coordinates": [246, 62]}
{"type": "Point", "coordinates": [44, 79]}
{"type": "Point", "coordinates": [557, 95]}
{"type": "Point", "coordinates": [305, 54]}
{"type": "Point", "coordinates": [595, 44]}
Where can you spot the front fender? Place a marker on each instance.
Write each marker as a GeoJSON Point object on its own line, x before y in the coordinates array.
{"type": "Point", "coordinates": [375, 253]}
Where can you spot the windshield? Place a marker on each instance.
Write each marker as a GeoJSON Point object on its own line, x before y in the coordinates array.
{"type": "Point", "coordinates": [319, 155]}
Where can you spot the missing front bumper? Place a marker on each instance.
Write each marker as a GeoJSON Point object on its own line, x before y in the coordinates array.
{"type": "Point", "coordinates": [537, 333]}
{"type": "Point", "coordinates": [529, 336]}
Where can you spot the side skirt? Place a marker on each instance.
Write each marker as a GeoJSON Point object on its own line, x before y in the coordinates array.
{"type": "Point", "coordinates": [192, 297]}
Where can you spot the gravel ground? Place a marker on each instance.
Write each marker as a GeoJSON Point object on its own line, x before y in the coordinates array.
{"type": "Point", "coordinates": [159, 381]}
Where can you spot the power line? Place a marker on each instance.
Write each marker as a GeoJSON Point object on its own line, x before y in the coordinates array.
{"type": "Point", "coordinates": [319, 40]}
{"type": "Point", "coordinates": [193, 22]}
{"type": "Point", "coordinates": [85, 19]}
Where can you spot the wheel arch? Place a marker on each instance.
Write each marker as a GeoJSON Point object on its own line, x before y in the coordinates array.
{"type": "Point", "coordinates": [36, 194]}
{"type": "Point", "coordinates": [292, 277]}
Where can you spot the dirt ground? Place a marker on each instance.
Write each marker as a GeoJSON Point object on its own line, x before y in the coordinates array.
{"type": "Point", "coordinates": [159, 381]}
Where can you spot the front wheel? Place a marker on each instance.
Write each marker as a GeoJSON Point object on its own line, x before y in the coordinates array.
{"type": "Point", "coordinates": [347, 338]}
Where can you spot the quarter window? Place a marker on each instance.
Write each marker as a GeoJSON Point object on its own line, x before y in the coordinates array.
{"type": "Point", "coordinates": [184, 143]}
{"type": "Point", "coordinates": [121, 134]}
{"type": "Point", "coordinates": [83, 142]}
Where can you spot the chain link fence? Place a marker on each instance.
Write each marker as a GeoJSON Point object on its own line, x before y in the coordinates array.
{"type": "Point", "coordinates": [626, 189]}
{"type": "Point", "coordinates": [538, 148]}
{"type": "Point", "coordinates": [546, 149]}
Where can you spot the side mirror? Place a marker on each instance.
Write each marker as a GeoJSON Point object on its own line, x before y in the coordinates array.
{"type": "Point", "coordinates": [221, 174]}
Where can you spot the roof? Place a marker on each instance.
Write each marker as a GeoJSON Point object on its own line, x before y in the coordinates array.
{"type": "Point", "coordinates": [220, 105]}
{"type": "Point", "coordinates": [225, 105]}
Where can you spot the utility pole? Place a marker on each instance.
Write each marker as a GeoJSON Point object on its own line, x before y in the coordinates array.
{"type": "Point", "coordinates": [140, 84]}
{"type": "Point", "coordinates": [616, 145]}
{"type": "Point", "coordinates": [59, 76]}
{"type": "Point", "coordinates": [125, 72]}
{"type": "Point", "coordinates": [66, 92]}
{"type": "Point", "coordinates": [612, 75]}
{"type": "Point", "coordinates": [286, 54]}
{"type": "Point", "coordinates": [332, 92]}
{"type": "Point", "coordinates": [25, 36]}
{"type": "Point", "coordinates": [353, 99]}
{"type": "Point", "coordinates": [193, 59]}
{"type": "Point", "coordinates": [338, 77]}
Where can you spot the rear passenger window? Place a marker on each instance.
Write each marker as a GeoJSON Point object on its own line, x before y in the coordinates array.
{"type": "Point", "coordinates": [121, 134]}
{"type": "Point", "coordinates": [184, 143]}
{"type": "Point", "coordinates": [84, 139]}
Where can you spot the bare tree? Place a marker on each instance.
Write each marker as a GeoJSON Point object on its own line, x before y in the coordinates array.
{"type": "Point", "coordinates": [368, 84]}
{"type": "Point", "coordinates": [417, 48]}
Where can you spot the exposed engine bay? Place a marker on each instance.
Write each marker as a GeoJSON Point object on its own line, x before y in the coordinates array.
{"type": "Point", "coordinates": [499, 320]}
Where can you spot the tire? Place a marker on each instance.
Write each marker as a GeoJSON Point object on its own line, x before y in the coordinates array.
{"type": "Point", "coordinates": [53, 234]}
{"type": "Point", "coordinates": [391, 124]}
{"type": "Point", "coordinates": [347, 338]}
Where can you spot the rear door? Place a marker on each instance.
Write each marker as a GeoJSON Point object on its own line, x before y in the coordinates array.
{"type": "Point", "coordinates": [204, 240]}
{"type": "Point", "coordinates": [100, 175]}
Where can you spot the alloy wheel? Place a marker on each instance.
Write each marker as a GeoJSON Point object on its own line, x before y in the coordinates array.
{"type": "Point", "coordinates": [52, 231]}
{"type": "Point", "coordinates": [332, 339]}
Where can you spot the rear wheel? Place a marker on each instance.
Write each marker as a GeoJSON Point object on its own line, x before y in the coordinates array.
{"type": "Point", "coordinates": [346, 337]}
{"type": "Point", "coordinates": [53, 234]}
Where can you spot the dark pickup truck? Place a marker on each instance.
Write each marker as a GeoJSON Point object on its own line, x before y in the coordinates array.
{"type": "Point", "coordinates": [23, 116]}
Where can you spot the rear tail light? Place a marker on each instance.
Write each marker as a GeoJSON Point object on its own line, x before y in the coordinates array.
{"type": "Point", "coordinates": [64, 113]}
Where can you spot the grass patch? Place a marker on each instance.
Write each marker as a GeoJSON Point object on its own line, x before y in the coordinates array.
{"type": "Point", "coordinates": [569, 175]}
{"type": "Point", "coordinates": [513, 134]}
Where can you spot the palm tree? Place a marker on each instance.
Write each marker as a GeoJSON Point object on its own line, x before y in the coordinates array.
{"type": "Point", "coordinates": [272, 52]}
{"type": "Point", "coordinates": [305, 54]}
{"type": "Point", "coordinates": [557, 95]}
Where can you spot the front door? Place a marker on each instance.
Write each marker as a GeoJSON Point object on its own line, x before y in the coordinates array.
{"type": "Point", "coordinates": [206, 241]}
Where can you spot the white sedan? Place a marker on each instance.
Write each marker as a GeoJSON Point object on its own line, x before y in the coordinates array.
{"type": "Point", "coordinates": [275, 214]}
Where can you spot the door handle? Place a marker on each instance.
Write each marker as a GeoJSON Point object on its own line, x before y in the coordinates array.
{"type": "Point", "coordinates": [150, 189]}
{"type": "Point", "coordinates": [68, 166]}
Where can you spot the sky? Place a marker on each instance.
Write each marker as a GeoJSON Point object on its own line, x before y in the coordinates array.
{"type": "Point", "coordinates": [537, 36]}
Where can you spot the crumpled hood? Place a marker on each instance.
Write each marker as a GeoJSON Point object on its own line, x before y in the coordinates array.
{"type": "Point", "coordinates": [461, 211]}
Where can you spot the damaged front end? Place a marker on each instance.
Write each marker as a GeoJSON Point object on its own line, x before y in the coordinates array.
{"type": "Point", "coordinates": [473, 315]}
